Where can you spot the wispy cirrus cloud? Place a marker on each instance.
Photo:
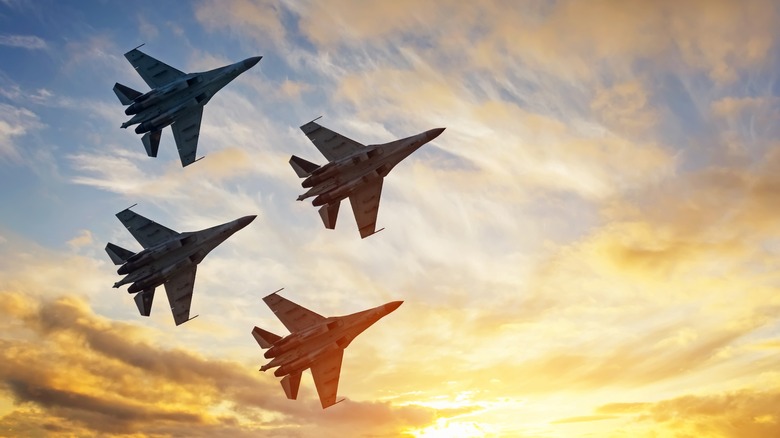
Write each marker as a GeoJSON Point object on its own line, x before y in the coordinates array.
{"type": "Point", "coordinates": [595, 225]}
{"type": "Point", "coordinates": [15, 122]}
{"type": "Point", "coordinates": [30, 42]}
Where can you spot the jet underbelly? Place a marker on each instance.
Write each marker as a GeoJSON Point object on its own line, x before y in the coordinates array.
{"type": "Point", "coordinates": [312, 345]}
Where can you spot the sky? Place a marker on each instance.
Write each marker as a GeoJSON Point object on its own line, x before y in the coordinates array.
{"type": "Point", "coordinates": [590, 249]}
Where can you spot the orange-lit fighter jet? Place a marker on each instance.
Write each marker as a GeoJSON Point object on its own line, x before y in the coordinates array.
{"type": "Point", "coordinates": [314, 342]}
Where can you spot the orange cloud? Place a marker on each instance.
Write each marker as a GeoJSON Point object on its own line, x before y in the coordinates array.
{"type": "Point", "coordinates": [739, 414]}
{"type": "Point", "coordinates": [719, 38]}
{"type": "Point", "coordinates": [625, 108]}
{"type": "Point", "coordinates": [70, 371]}
{"type": "Point", "coordinates": [293, 89]}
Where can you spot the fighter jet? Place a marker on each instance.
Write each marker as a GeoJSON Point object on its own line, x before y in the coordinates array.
{"type": "Point", "coordinates": [176, 98]}
{"type": "Point", "coordinates": [353, 171]}
{"type": "Point", "coordinates": [168, 258]}
{"type": "Point", "coordinates": [315, 342]}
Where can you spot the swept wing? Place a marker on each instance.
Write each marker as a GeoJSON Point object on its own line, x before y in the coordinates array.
{"type": "Point", "coordinates": [365, 206]}
{"type": "Point", "coordinates": [146, 231]}
{"type": "Point", "coordinates": [333, 146]}
{"type": "Point", "coordinates": [186, 130]}
{"type": "Point", "coordinates": [179, 291]}
{"type": "Point", "coordinates": [154, 72]}
{"type": "Point", "coordinates": [326, 372]}
{"type": "Point", "coordinates": [293, 316]}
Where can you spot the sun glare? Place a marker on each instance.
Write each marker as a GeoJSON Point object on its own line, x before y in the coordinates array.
{"type": "Point", "coordinates": [444, 428]}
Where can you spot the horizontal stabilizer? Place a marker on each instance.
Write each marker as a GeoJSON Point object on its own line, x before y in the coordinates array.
{"type": "Point", "coordinates": [118, 254]}
{"type": "Point", "coordinates": [265, 338]}
{"type": "Point", "coordinates": [143, 300]}
{"type": "Point", "coordinates": [302, 167]}
{"type": "Point", "coordinates": [125, 94]}
{"type": "Point", "coordinates": [329, 213]}
{"type": "Point", "coordinates": [291, 383]}
{"type": "Point", "coordinates": [151, 141]}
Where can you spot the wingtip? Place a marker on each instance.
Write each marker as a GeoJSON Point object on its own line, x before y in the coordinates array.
{"type": "Point", "coordinates": [187, 320]}
{"type": "Point", "coordinates": [128, 208]}
{"type": "Point", "coordinates": [273, 293]}
{"type": "Point", "coordinates": [134, 48]}
{"type": "Point", "coordinates": [311, 121]}
{"type": "Point", "coordinates": [369, 235]}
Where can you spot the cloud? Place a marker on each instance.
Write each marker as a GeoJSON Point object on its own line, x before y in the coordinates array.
{"type": "Point", "coordinates": [84, 238]}
{"type": "Point", "coordinates": [147, 30]}
{"type": "Point", "coordinates": [745, 413]}
{"type": "Point", "coordinates": [625, 107]}
{"type": "Point", "coordinates": [510, 144]}
{"type": "Point", "coordinates": [721, 208]}
{"type": "Point", "coordinates": [563, 37]}
{"type": "Point", "coordinates": [30, 42]}
{"type": "Point", "coordinates": [293, 89]}
{"type": "Point", "coordinates": [261, 19]}
{"type": "Point", "coordinates": [583, 418]}
{"type": "Point", "coordinates": [95, 386]}
{"type": "Point", "coordinates": [100, 54]}
{"type": "Point", "coordinates": [729, 107]}
{"type": "Point", "coordinates": [15, 122]}
{"type": "Point", "coordinates": [582, 238]}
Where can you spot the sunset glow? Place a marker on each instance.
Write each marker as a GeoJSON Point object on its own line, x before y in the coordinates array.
{"type": "Point", "coordinates": [590, 249]}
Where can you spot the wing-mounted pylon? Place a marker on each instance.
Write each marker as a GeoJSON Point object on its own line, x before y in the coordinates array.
{"type": "Point", "coordinates": [290, 384]}
{"type": "Point", "coordinates": [329, 213]}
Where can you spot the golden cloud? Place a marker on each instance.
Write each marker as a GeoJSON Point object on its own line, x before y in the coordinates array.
{"type": "Point", "coordinates": [744, 413]}
{"type": "Point", "coordinates": [729, 107]}
{"type": "Point", "coordinates": [293, 89]}
{"type": "Point", "coordinates": [717, 37]}
{"type": "Point", "coordinates": [625, 108]}
{"type": "Point", "coordinates": [84, 238]}
{"type": "Point", "coordinates": [71, 371]}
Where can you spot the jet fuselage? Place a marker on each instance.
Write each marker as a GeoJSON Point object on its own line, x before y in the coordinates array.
{"type": "Point", "coordinates": [336, 180]}
{"type": "Point", "coordinates": [160, 107]}
{"type": "Point", "coordinates": [156, 265]}
{"type": "Point", "coordinates": [297, 351]}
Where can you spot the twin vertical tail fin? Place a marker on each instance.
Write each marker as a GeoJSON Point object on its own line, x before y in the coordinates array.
{"type": "Point", "coordinates": [143, 300]}
{"type": "Point", "coordinates": [265, 338]}
{"type": "Point", "coordinates": [118, 254]}
{"type": "Point", "coordinates": [302, 167]}
{"type": "Point", "coordinates": [151, 141]}
{"type": "Point", "coordinates": [125, 94]}
{"type": "Point", "coordinates": [329, 213]}
{"type": "Point", "coordinates": [290, 384]}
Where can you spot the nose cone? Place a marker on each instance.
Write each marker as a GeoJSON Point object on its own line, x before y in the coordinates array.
{"type": "Point", "coordinates": [251, 62]}
{"type": "Point", "coordinates": [433, 133]}
{"type": "Point", "coordinates": [390, 307]}
{"type": "Point", "coordinates": [244, 221]}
